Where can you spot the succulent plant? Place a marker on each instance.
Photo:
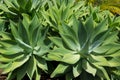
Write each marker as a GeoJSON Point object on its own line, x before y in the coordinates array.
{"type": "Point", "coordinates": [84, 48]}
{"type": "Point", "coordinates": [22, 50]}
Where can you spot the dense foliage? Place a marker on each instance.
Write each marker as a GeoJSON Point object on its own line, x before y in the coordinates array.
{"type": "Point", "coordinates": [67, 38]}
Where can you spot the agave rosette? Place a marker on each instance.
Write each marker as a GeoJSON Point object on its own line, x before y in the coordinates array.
{"type": "Point", "coordinates": [62, 10]}
{"type": "Point", "coordinates": [22, 50]}
{"type": "Point", "coordinates": [87, 47]}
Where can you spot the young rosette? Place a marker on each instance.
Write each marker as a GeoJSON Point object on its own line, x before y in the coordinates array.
{"type": "Point", "coordinates": [22, 50]}
{"type": "Point", "coordinates": [87, 49]}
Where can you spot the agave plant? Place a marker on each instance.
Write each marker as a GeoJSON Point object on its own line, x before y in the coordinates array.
{"type": "Point", "coordinates": [85, 48]}
{"type": "Point", "coordinates": [62, 10]}
{"type": "Point", "coordinates": [12, 9]}
{"type": "Point", "coordinates": [22, 50]}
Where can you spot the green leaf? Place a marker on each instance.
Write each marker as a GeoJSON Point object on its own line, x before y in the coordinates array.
{"type": "Point", "coordinates": [57, 41]}
{"type": "Point", "coordinates": [115, 62]}
{"type": "Point", "coordinates": [71, 58]}
{"type": "Point", "coordinates": [77, 69]}
{"type": "Point", "coordinates": [38, 76]}
{"type": "Point", "coordinates": [104, 72]}
{"type": "Point", "coordinates": [9, 58]}
{"type": "Point", "coordinates": [3, 66]}
{"type": "Point", "coordinates": [82, 34]}
{"type": "Point", "coordinates": [2, 25]}
{"type": "Point", "coordinates": [89, 68]}
{"type": "Point", "coordinates": [65, 29]}
{"type": "Point", "coordinates": [115, 54]}
{"type": "Point", "coordinates": [6, 36]}
{"type": "Point", "coordinates": [7, 43]}
{"type": "Point", "coordinates": [11, 50]}
{"type": "Point", "coordinates": [32, 67]}
{"type": "Point", "coordinates": [41, 63]}
{"type": "Point", "coordinates": [19, 62]}
{"type": "Point", "coordinates": [35, 37]}
{"type": "Point", "coordinates": [71, 42]}
{"type": "Point", "coordinates": [34, 24]}
{"type": "Point", "coordinates": [24, 45]}
{"type": "Point", "coordinates": [14, 30]}
{"type": "Point", "coordinates": [40, 51]}
{"type": "Point", "coordinates": [61, 68]}
{"type": "Point", "coordinates": [5, 9]}
{"type": "Point", "coordinates": [89, 25]}
{"type": "Point", "coordinates": [101, 27]}
{"type": "Point", "coordinates": [11, 75]}
{"type": "Point", "coordinates": [13, 65]}
{"type": "Point", "coordinates": [23, 33]}
{"type": "Point", "coordinates": [9, 4]}
{"type": "Point", "coordinates": [103, 49]}
{"type": "Point", "coordinates": [58, 53]}
{"type": "Point", "coordinates": [100, 60]}
{"type": "Point", "coordinates": [111, 38]}
{"type": "Point", "coordinates": [21, 71]}
{"type": "Point", "coordinates": [22, 3]}
{"type": "Point", "coordinates": [75, 25]}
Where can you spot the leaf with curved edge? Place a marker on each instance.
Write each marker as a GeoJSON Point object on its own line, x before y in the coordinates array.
{"type": "Point", "coordinates": [100, 61]}
{"type": "Point", "coordinates": [14, 30]}
{"type": "Point", "coordinates": [89, 68]}
{"type": "Point", "coordinates": [7, 43]}
{"type": "Point", "coordinates": [21, 71]}
{"type": "Point", "coordinates": [38, 76]}
{"type": "Point", "coordinates": [115, 54]}
{"type": "Point", "coordinates": [22, 4]}
{"type": "Point", "coordinates": [11, 76]}
{"type": "Point", "coordinates": [111, 38]}
{"type": "Point", "coordinates": [77, 69]}
{"type": "Point", "coordinates": [82, 34]}
{"type": "Point", "coordinates": [32, 67]}
{"type": "Point", "coordinates": [89, 25]}
{"type": "Point", "coordinates": [11, 50]}
{"type": "Point", "coordinates": [34, 24]}
{"type": "Point", "coordinates": [41, 63]}
{"type": "Point", "coordinates": [2, 27]}
{"type": "Point", "coordinates": [5, 36]}
{"type": "Point", "coordinates": [99, 39]}
{"type": "Point", "coordinates": [9, 4]}
{"type": "Point", "coordinates": [24, 45]}
{"type": "Point", "coordinates": [9, 58]}
{"type": "Point", "coordinates": [61, 68]}
{"type": "Point", "coordinates": [67, 30]}
{"type": "Point", "coordinates": [57, 54]}
{"type": "Point", "coordinates": [57, 41]}
{"type": "Point", "coordinates": [71, 42]}
{"type": "Point", "coordinates": [104, 72]}
{"type": "Point", "coordinates": [71, 58]}
{"type": "Point", "coordinates": [35, 36]}
{"type": "Point", "coordinates": [115, 48]}
{"type": "Point", "coordinates": [23, 32]}
{"type": "Point", "coordinates": [115, 62]}
{"type": "Point", "coordinates": [6, 67]}
{"type": "Point", "coordinates": [19, 62]}
{"type": "Point", "coordinates": [101, 27]}
{"type": "Point", "coordinates": [5, 9]}
{"type": "Point", "coordinates": [2, 66]}
{"type": "Point", "coordinates": [102, 49]}
{"type": "Point", "coordinates": [41, 50]}
{"type": "Point", "coordinates": [98, 58]}
{"type": "Point", "coordinates": [75, 25]}
{"type": "Point", "coordinates": [26, 21]}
